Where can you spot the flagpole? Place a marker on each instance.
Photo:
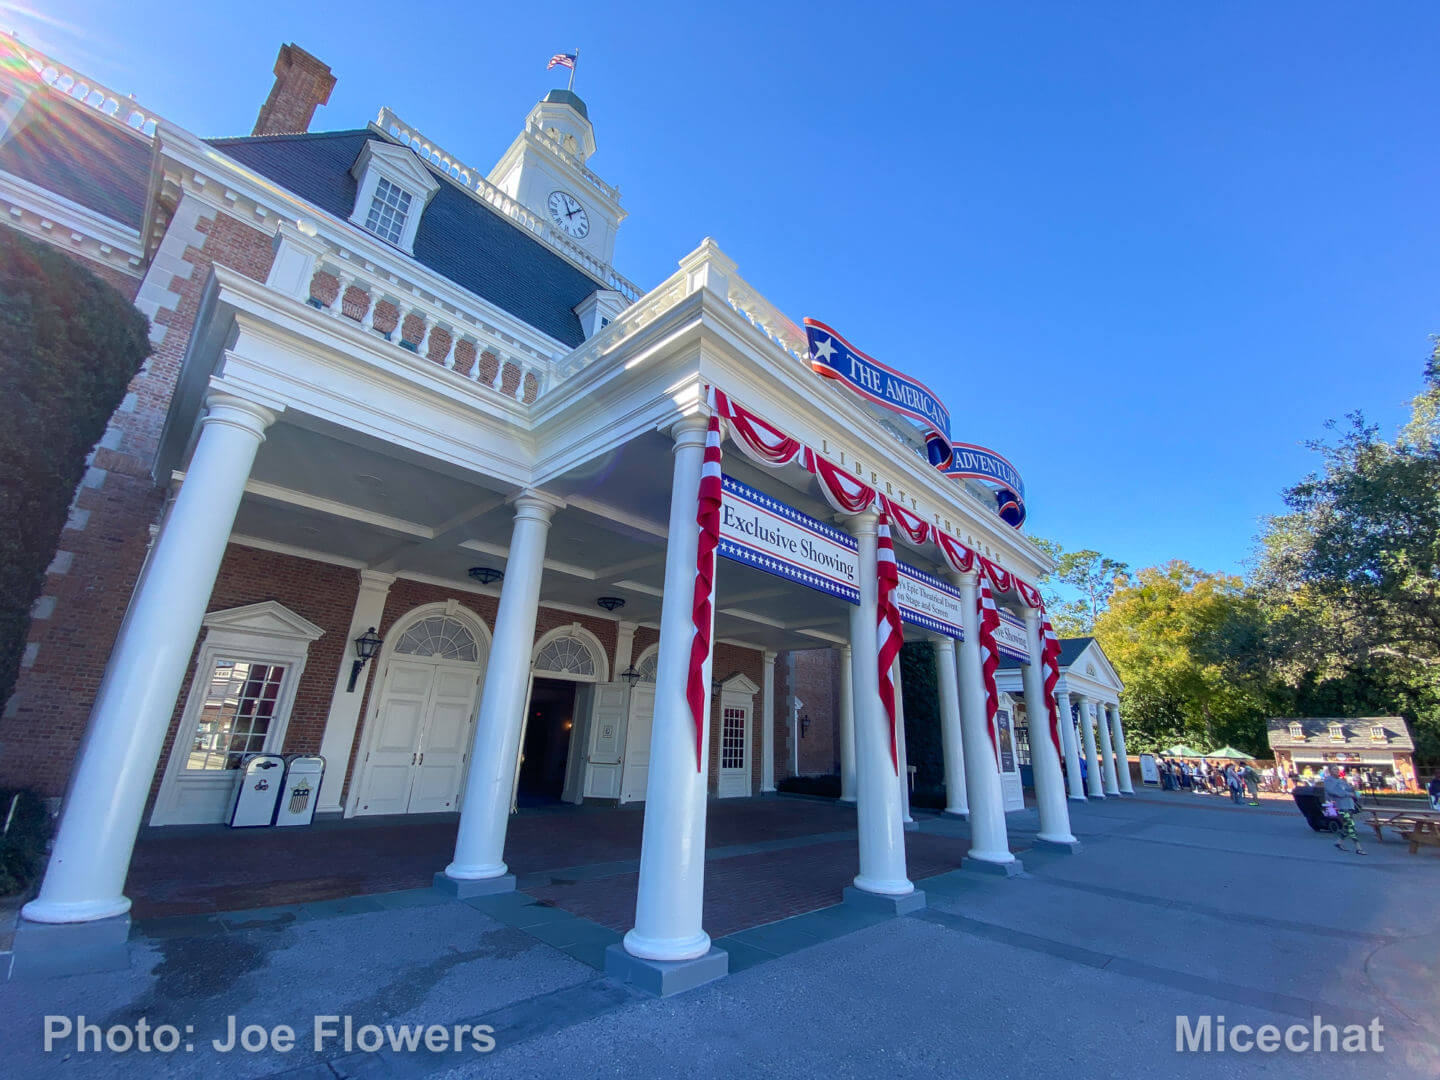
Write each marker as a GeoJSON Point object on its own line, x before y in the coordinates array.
{"type": "Point", "coordinates": [572, 70]}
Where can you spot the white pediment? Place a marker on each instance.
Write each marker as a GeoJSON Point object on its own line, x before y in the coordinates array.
{"type": "Point", "coordinates": [1093, 665]}
{"type": "Point", "coordinates": [267, 619]}
{"type": "Point", "coordinates": [399, 164]}
{"type": "Point", "coordinates": [739, 684]}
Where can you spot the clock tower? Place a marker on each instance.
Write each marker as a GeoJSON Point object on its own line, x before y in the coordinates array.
{"type": "Point", "coordinates": [545, 171]}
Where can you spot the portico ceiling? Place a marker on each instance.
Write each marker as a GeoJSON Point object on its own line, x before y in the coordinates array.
{"type": "Point", "coordinates": [323, 492]}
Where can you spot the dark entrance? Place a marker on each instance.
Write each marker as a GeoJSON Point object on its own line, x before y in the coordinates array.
{"type": "Point", "coordinates": [547, 742]}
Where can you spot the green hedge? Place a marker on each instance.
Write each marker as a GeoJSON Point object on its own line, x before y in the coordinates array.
{"type": "Point", "coordinates": [22, 847]}
{"type": "Point", "coordinates": [69, 345]}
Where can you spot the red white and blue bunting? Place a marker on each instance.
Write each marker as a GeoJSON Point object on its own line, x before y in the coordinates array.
{"type": "Point", "coordinates": [768, 445]}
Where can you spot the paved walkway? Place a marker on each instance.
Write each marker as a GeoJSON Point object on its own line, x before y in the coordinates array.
{"type": "Point", "coordinates": [1080, 966]}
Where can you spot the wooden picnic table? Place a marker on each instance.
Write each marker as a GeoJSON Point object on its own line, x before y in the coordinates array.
{"type": "Point", "coordinates": [1416, 826]}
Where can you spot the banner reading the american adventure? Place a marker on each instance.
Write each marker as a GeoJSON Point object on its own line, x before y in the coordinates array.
{"type": "Point", "coordinates": [833, 357]}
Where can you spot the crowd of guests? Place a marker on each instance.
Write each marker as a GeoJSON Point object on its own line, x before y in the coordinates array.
{"type": "Point", "coordinates": [1239, 779]}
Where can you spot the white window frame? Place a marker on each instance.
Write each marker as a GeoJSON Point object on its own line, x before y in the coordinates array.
{"type": "Point", "coordinates": [381, 161]}
{"type": "Point", "coordinates": [264, 633]}
{"type": "Point", "coordinates": [1337, 733]}
{"type": "Point", "coordinates": [1297, 731]}
{"type": "Point", "coordinates": [591, 643]}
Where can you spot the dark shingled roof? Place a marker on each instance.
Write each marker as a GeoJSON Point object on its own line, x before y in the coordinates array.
{"type": "Point", "coordinates": [79, 155]}
{"type": "Point", "coordinates": [459, 237]}
{"type": "Point", "coordinates": [1070, 650]}
{"type": "Point", "coordinates": [1315, 732]}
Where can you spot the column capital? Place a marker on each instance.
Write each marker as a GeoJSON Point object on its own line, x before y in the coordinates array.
{"type": "Point", "coordinates": [536, 505]}
{"type": "Point", "coordinates": [844, 651]}
{"type": "Point", "coordinates": [376, 579]}
{"type": "Point", "coordinates": [689, 430]}
{"type": "Point", "coordinates": [238, 412]}
{"type": "Point", "coordinates": [865, 523]}
{"type": "Point", "coordinates": [767, 657]}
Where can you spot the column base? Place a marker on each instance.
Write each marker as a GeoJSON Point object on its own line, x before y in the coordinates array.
{"type": "Point", "coordinates": [848, 800]}
{"type": "Point", "coordinates": [884, 902]}
{"type": "Point", "coordinates": [959, 815]}
{"type": "Point", "coordinates": [1013, 868]}
{"type": "Point", "coordinates": [464, 888]}
{"type": "Point", "coordinates": [1079, 798]}
{"type": "Point", "coordinates": [911, 826]}
{"type": "Point", "coordinates": [45, 950]}
{"type": "Point", "coordinates": [665, 977]}
{"type": "Point", "coordinates": [1064, 847]}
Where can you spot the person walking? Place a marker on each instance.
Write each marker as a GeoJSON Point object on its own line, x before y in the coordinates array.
{"type": "Point", "coordinates": [1235, 785]}
{"type": "Point", "coordinates": [1252, 783]}
{"type": "Point", "coordinates": [1341, 793]}
{"type": "Point", "coordinates": [1434, 792]}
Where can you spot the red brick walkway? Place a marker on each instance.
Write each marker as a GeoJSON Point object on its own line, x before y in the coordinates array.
{"type": "Point", "coordinates": [197, 871]}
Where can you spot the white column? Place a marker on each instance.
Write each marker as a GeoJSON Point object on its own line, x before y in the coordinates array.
{"type": "Point", "coordinates": [485, 813]}
{"type": "Point", "coordinates": [767, 733]}
{"type": "Point", "coordinates": [946, 680]}
{"type": "Point", "coordinates": [344, 713]}
{"type": "Point", "coordinates": [1127, 786]}
{"type": "Point", "coordinates": [1044, 757]}
{"type": "Point", "coordinates": [877, 788]}
{"type": "Point", "coordinates": [988, 839]}
{"type": "Point", "coordinates": [847, 725]}
{"type": "Point", "coordinates": [1093, 781]}
{"type": "Point", "coordinates": [1072, 753]}
{"type": "Point", "coordinates": [86, 876]}
{"type": "Point", "coordinates": [900, 747]}
{"type": "Point", "coordinates": [669, 905]}
{"type": "Point", "coordinates": [1107, 752]}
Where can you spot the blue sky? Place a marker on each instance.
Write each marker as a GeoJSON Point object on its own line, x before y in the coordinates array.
{"type": "Point", "coordinates": [1143, 250]}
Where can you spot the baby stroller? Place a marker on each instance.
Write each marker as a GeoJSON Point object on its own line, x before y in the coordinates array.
{"type": "Point", "coordinates": [1311, 802]}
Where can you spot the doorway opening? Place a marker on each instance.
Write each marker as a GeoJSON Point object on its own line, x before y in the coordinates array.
{"type": "Point", "coordinates": [548, 731]}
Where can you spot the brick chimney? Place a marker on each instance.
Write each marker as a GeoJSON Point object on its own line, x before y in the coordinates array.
{"type": "Point", "coordinates": [302, 85]}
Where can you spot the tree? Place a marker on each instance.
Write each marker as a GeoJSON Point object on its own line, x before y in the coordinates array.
{"type": "Point", "coordinates": [1174, 634]}
{"type": "Point", "coordinates": [69, 345]}
{"type": "Point", "coordinates": [1351, 573]}
{"type": "Point", "coordinates": [1093, 575]}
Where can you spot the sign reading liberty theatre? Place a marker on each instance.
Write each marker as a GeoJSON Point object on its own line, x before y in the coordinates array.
{"type": "Point", "coordinates": [765, 533]}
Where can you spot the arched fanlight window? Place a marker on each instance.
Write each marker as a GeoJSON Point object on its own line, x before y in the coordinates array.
{"type": "Point", "coordinates": [441, 637]}
{"type": "Point", "coordinates": [649, 667]}
{"type": "Point", "coordinates": [566, 656]}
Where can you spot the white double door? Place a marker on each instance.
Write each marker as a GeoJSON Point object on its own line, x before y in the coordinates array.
{"type": "Point", "coordinates": [415, 762]}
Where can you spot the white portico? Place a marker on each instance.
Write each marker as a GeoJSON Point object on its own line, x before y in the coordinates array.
{"type": "Point", "coordinates": [515, 508]}
{"type": "Point", "coordinates": [1088, 693]}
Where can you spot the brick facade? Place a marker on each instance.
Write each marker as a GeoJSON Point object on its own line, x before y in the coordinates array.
{"type": "Point", "coordinates": [813, 676]}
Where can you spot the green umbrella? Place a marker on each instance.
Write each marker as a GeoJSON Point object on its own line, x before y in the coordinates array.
{"type": "Point", "coordinates": [1231, 753]}
{"type": "Point", "coordinates": [1181, 750]}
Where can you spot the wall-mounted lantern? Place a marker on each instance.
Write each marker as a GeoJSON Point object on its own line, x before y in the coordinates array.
{"type": "Point", "coordinates": [366, 646]}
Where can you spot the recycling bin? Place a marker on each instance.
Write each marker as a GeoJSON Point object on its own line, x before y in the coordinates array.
{"type": "Point", "coordinates": [261, 777]}
{"type": "Point", "coordinates": [301, 790]}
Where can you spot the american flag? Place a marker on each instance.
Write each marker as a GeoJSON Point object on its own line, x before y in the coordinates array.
{"type": "Point", "coordinates": [561, 59]}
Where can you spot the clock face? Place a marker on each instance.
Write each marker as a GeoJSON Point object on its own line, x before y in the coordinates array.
{"type": "Point", "coordinates": [569, 215]}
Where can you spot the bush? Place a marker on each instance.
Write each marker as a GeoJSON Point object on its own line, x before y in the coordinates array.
{"type": "Point", "coordinates": [69, 345]}
{"type": "Point", "coordinates": [828, 786]}
{"type": "Point", "coordinates": [22, 848]}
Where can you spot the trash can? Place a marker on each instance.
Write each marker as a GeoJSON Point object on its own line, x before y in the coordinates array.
{"type": "Point", "coordinates": [260, 784]}
{"type": "Point", "coordinates": [301, 790]}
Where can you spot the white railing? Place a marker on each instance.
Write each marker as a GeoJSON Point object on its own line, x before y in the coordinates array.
{"type": "Point", "coordinates": [119, 107]}
{"type": "Point", "coordinates": [551, 144]}
{"type": "Point", "coordinates": [472, 180]}
{"type": "Point", "coordinates": [404, 317]}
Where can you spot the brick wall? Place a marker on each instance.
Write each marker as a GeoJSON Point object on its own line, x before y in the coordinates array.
{"type": "Point", "coordinates": [813, 676]}
{"type": "Point", "coordinates": [102, 548]}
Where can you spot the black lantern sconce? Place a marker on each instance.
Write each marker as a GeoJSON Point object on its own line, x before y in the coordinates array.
{"type": "Point", "coordinates": [486, 575]}
{"type": "Point", "coordinates": [366, 646]}
{"type": "Point", "coordinates": [611, 603]}
{"type": "Point", "coordinates": [804, 725]}
{"type": "Point", "coordinates": [631, 676]}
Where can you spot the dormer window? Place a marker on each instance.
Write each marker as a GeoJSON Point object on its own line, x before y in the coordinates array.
{"type": "Point", "coordinates": [1377, 732]}
{"type": "Point", "coordinates": [1296, 731]}
{"type": "Point", "coordinates": [389, 210]}
{"type": "Point", "coordinates": [1337, 733]}
{"type": "Point", "coordinates": [392, 189]}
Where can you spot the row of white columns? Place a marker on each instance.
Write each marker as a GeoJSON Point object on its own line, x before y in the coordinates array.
{"type": "Point", "coordinates": [142, 682]}
{"type": "Point", "coordinates": [1107, 773]}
